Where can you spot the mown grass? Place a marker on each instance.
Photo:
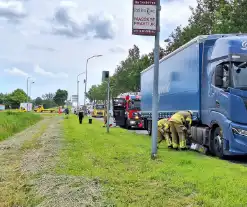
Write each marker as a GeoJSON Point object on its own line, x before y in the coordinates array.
{"type": "Point", "coordinates": [14, 122]}
{"type": "Point", "coordinates": [121, 161]}
{"type": "Point", "coordinates": [14, 187]}
{"type": "Point", "coordinates": [34, 142]}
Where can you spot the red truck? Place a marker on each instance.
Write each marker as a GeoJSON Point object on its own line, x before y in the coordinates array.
{"type": "Point", "coordinates": [126, 110]}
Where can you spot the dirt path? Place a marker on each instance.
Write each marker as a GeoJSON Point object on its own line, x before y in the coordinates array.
{"type": "Point", "coordinates": [27, 172]}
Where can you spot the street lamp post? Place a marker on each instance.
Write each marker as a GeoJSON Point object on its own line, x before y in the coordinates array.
{"type": "Point", "coordinates": [78, 89]}
{"type": "Point", "coordinates": [95, 56]}
{"type": "Point", "coordinates": [27, 91]}
{"type": "Point", "coordinates": [30, 91]}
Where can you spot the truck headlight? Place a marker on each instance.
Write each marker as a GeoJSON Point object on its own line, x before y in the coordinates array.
{"type": "Point", "coordinates": [239, 131]}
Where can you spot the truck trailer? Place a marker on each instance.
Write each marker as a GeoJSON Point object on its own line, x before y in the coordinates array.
{"type": "Point", "coordinates": [208, 76]}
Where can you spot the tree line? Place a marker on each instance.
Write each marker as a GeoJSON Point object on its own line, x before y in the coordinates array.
{"type": "Point", "coordinates": [49, 100]}
{"type": "Point", "coordinates": [208, 17]}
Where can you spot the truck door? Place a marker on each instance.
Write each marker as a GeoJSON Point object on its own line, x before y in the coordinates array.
{"type": "Point", "coordinates": [119, 111]}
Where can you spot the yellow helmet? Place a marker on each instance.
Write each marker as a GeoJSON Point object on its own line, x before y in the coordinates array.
{"type": "Point", "coordinates": [191, 112]}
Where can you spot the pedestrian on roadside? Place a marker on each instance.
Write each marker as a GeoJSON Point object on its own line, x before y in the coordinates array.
{"type": "Point", "coordinates": [81, 115]}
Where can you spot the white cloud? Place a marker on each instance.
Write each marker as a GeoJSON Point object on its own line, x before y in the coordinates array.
{"type": "Point", "coordinates": [68, 4]}
{"type": "Point", "coordinates": [16, 71]}
{"type": "Point", "coordinates": [117, 49]}
{"type": "Point", "coordinates": [176, 12]}
{"type": "Point", "coordinates": [13, 11]}
{"type": "Point", "coordinates": [41, 71]}
{"type": "Point", "coordinates": [93, 27]}
{"type": "Point", "coordinates": [98, 25]}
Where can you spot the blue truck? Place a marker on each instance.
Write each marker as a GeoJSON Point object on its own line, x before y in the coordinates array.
{"type": "Point", "coordinates": [208, 76]}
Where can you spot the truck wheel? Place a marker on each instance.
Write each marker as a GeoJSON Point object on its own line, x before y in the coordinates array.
{"type": "Point", "coordinates": [218, 143]}
{"type": "Point", "coordinates": [149, 127]}
{"type": "Point", "coordinates": [126, 126]}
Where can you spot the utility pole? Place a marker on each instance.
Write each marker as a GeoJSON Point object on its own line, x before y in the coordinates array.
{"type": "Point", "coordinates": [155, 101]}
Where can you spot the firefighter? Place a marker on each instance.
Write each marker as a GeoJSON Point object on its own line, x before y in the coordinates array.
{"type": "Point", "coordinates": [81, 115]}
{"type": "Point", "coordinates": [180, 124]}
{"type": "Point", "coordinates": [164, 132]}
{"type": "Point", "coordinates": [105, 118]}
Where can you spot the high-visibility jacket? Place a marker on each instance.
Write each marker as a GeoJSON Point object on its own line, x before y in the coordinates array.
{"type": "Point", "coordinates": [181, 117]}
{"type": "Point", "coordinates": [164, 123]}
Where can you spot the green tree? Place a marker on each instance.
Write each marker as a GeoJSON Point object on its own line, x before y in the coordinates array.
{"type": "Point", "coordinates": [38, 101]}
{"type": "Point", "coordinates": [60, 97]}
{"type": "Point", "coordinates": [2, 98]}
{"type": "Point", "coordinates": [49, 103]}
{"type": "Point", "coordinates": [48, 96]}
{"type": "Point", "coordinates": [16, 97]}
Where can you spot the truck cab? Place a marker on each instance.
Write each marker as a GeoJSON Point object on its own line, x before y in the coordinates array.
{"type": "Point", "coordinates": [22, 109]}
{"type": "Point", "coordinates": [39, 109]}
{"type": "Point", "coordinates": [224, 97]}
{"type": "Point", "coordinates": [98, 110]}
{"type": "Point", "coordinates": [126, 108]}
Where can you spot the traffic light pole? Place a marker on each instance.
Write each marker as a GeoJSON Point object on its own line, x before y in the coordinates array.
{"type": "Point", "coordinates": [108, 105]}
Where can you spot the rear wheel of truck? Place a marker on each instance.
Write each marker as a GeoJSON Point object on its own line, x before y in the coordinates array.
{"type": "Point", "coordinates": [218, 143]}
{"type": "Point", "coordinates": [149, 127]}
{"type": "Point", "coordinates": [127, 125]}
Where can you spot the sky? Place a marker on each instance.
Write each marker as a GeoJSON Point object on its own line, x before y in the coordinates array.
{"type": "Point", "coordinates": [50, 40]}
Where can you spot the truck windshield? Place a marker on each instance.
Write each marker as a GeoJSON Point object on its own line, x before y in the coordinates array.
{"type": "Point", "coordinates": [239, 74]}
{"type": "Point", "coordinates": [99, 107]}
{"type": "Point", "coordinates": [135, 104]}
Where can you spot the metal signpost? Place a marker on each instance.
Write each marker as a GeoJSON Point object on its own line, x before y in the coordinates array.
{"type": "Point", "coordinates": [146, 21]}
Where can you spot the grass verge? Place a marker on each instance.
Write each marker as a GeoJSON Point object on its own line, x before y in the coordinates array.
{"type": "Point", "coordinates": [34, 142]}
{"type": "Point", "coordinates": [14, 122]}
{"type": "Point", "coordinates": [13, 185]}
{"type": "Point", "coordinates": [121, 161]}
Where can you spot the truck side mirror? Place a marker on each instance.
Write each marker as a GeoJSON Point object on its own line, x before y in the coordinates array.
{"type": "Point", "coordinates": [218, 76]}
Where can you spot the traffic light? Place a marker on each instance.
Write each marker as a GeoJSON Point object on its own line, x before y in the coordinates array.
{"type": "Point", "coordinates": [105, 75]}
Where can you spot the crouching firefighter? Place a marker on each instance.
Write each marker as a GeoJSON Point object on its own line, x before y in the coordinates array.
{"type": "Point", "coordinates": [180, 125]}
{"type": "Point", "coordinates": [105, 118]}
{"type": "Point", "coordinates": [164, 132]}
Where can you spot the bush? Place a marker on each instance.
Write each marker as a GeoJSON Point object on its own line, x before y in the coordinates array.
{"type": "Point", "coordinates": [14, 122]}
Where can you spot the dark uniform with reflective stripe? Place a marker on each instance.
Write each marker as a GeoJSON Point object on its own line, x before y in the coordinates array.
{"type": "Point", "coordinates": [80, 115]}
